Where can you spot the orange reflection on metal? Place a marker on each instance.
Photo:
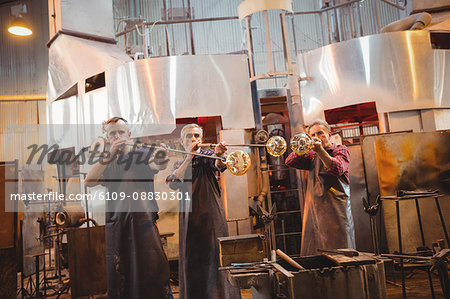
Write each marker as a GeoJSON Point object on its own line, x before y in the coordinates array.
{"type": "Point", "coordinates": [412, 65]}
{"type": "Point", "coordinates": [153, 95]}
{"type": "Point", "coordinates": [388, 168]}
{"type": "Point", "coordinates": [407, 148]}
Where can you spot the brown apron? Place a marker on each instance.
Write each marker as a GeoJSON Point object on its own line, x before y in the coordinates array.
{"type": "Point", "coordinates": [327, 216]}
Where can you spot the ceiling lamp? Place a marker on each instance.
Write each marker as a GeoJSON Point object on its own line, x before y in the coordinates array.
{"type": "Point", "coordinates": [19, 26]}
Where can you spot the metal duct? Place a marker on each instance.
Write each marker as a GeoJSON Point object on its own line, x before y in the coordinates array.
{"type": "Point", "coordinates": [83, 16]}
{"type": "Point", "coordinates": [397, 70]}
{"type": "Point", "coordinates": [152, 93]}
{"type": "Point", "coordinates": [413, 22]}
{"type": "Point", "coordinates": [72, 59]}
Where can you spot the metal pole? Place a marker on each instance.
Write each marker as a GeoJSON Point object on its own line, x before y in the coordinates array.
{"type": "Point", "coordinates": [358, 9]}
{"type": "Point", "coordinates": [377, 15]}
{"type": "Point", "coordinates": [394, 4]}
{"type": "Point", "coordinates": [268, 43]}
{"type": "Point", "coordinates": [48, 233]}
{"type": "Point", "coordinates": [45, 274]}
{"type": "Point", "coordinates": [283, 231]}
{"type": "Point", "coordinates": [165, 9]}
{"type": "Point", "coordinates": [352, 25]}
{"type": "Point", "coordinates": [336, 24]}
{"type": "Point", "coordinates": [145, 30]}
{"type": "Point", "coordinates": [136, 145]}
{"type": "Point", "coordinates": [37, 288]}
{"type": "Point", "coordinates": [59, 259]}
{"type": "Point", "coordinates": [430, 280]}
{"type": "Point", "coordinates": [21, 258]}
{"type": "Point", "coordinates": [423, 243]}
{"type": "Point", "coordinates": [171, 22]}
{"type": "Point", "coordinates": [341, 24]}
{"type": "Point", "coordinates": [324, 9]}
{"type": "Point", "coordinates": [167, 41]}
{"type": "Point", "coordinates": [166, 31]}
{"type": "Point", "coordinates": [328, 25]}
{"type": "Point", "coordinates": [380, 223]}
{"type": "Point", "coordinates": [293, 34]}
{"type": "Point", "coordinates": [190, 28]}
{"type": "Point", "coordinates": [321, 30]}
{"type": "Point", "coordinates": [400, 249]}
{"type": "Point", "coordinates": [286, 41]}
{"type": "Point", "coordinates": [420, 221]}
{"type": "Point", "coordinates": [374, 235]}
{"type": "Point", "coordinates": [83, 176]}
{"type": "Point", "coordinates": [185, 31]}
{"type": "Point", "coordinates": [444, 227]}
{"type": "Point", "coordinates": [249, 45]}
{"type": "Point", "coordinates": [188, 21]}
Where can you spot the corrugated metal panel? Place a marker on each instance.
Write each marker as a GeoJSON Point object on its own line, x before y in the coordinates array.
{"type": "Point", "coordinates": [307, 32]}
{"type": "Point", "coordinates": [14, 145]}
{"type": "Point", "coordinates": [24, 60]}
{"type": "Point", "coordinates": [306, 27]}
{"type": "Point", "coordinates": [218, 36]}
{"type": "Point", "coordinates": [387, 15]}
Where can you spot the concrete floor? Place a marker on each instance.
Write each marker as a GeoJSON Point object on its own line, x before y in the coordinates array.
{"type": "Point", "coordinates": [417, 286]}
{"type": "Point", "coordinates": [416, 283]}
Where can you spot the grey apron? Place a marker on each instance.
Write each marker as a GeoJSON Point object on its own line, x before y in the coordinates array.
{"type": "Point", "coordinates": [327, 217]}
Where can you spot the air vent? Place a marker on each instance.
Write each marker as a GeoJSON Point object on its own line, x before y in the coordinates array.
{"type": "Point", "coordinates": [95, 82]}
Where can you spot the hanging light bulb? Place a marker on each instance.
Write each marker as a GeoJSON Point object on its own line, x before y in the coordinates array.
{"type": "Point", "coordinates": [19, 26]}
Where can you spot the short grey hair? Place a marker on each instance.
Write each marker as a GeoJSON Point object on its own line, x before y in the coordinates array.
{"type": "Point", "coordinates": [320, 122]}
{"type": "Point", "coordinates": [190, 126]}
{"type": "Point", "coordinates": [113, 120]}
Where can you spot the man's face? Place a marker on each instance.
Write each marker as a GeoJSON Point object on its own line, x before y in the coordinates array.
{"type": "Point", "coordinates": [191, 135]}
{"type": "Point", "coordinates": [116, 131]}
{"type": "Point", "coordinates": [322, 133]}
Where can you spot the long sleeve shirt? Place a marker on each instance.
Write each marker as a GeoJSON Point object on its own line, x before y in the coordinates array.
{"type": "Point", "coordinates": [339, 164]}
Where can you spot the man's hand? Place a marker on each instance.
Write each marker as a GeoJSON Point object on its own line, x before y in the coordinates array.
{"type": "Point", "coordinates": [96, 172]}
{"type": "Point", "coordinates": [317, 146]}
{"type": "Point", "coordinates": [220, 149]}
{"type": "Point", "coordinates": [159, 161]}
{"type": "Point", "coordinates": [118, 146]}
{"type": "Point", "coordinates": [321, 152]}
{"type": "Point", "coordinates": [193, 147]}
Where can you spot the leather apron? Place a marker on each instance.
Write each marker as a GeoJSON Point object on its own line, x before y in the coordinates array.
{"type": "Point", "coordinates": [199, 230]}
{"type": "Point", "coordinates": [327, 217]}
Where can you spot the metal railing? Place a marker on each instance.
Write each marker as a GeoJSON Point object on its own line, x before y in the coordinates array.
{"type": "Point", "coordinates": [337, 23]}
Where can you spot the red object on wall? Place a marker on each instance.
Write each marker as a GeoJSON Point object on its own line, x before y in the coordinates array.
{"type": "Point", "coordinates": [359, 113]}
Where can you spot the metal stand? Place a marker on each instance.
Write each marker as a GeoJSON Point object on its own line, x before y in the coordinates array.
{"type": "Point", "coordinates": [267, 218]}
{"type": "Point", "coordinates": [372, 210]}
{"type": "Point", "coordinates": [37, 281]}
{"type": "Point", "coordinates": [60, 287]}
{"type": "Point", "coordinates": [440, 262]}
{"type": "Point", "coordinates": [409, 195]}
